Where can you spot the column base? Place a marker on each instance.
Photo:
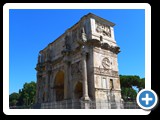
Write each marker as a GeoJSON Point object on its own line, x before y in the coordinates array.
{"type": "Point", "coordinates": [85, 102]}
{"type": "Point", "coordinates": [85, 98]}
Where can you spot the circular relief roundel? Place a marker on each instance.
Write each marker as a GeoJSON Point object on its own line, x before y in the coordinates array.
{"type": "Point", "coordinates": [106, 62]}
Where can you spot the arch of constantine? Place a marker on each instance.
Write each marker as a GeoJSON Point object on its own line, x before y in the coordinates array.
{"type": "Point", "coordinates": [80, 67]}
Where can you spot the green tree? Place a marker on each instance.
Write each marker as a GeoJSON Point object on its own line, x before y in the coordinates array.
{"type": "Point", "coordinates": [13, 99]}
{"type": "Point", "coordinates": [141, 84]}
{"type": "Point", "coordinates": [26, 95]}
{"type": "Point", "coordinates": [127, 83]}
{"type": "Point", "coordinates": [128, 94]}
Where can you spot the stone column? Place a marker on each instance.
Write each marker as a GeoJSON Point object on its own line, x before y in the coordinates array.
{"type": "Point", "coordinates": [37, 89]}
{"type": "Point", "coordinates": [52, 90]}
{"type": "Point", "coordinates": [69, 81]}
{"type": "Point", "coordinates": [49, 87]}
{"type": "Point", "coordinates": [84, 73]}
{"type": "Point", "coordinates": [85, 99]}
{"type": "Point", "coordinates": [66, 78]}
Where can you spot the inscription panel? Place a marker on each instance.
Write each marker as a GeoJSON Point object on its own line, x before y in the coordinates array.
{"type": "Point", "coordinates": [105, 72]}
{"type": "Point", "coordinates": [104, 52]}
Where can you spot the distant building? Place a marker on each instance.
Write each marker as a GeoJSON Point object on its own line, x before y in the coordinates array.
{"type": "Point", "coordinates": [81, 65]}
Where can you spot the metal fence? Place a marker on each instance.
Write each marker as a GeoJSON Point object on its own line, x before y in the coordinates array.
{"type": "Point", "coordinates": [72, 104]}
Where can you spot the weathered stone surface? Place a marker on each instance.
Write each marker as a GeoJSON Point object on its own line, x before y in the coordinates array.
{"type": "Point", "coordinates": [80, 65]}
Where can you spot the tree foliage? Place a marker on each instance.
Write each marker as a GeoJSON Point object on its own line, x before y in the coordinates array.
{"type": "Point", "coordinates": [127, 83]}
{"type": "Point", "coordinates": [25, 97]}
{"type": "Point", "coordinates": [13, 99]}
{"type": "Point", "coordinates": [128, 94]}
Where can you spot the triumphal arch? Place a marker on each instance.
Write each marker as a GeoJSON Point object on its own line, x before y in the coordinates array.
{"type": "Point", "coordinates": [80, 65]}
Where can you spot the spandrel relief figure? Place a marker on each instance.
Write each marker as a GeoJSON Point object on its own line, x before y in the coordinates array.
{"type": "Point", "coordinates": [76, 70]}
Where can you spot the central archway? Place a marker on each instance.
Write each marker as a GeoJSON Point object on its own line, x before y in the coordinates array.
{"type": "Point", "coordinates": [59, 86]}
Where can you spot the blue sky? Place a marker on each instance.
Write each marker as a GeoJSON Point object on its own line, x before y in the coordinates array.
{"type": "Point", "coordinates": [32, 30]}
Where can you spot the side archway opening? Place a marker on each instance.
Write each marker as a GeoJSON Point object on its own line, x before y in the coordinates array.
{"type": "Point", "coordinates": [59, 86]}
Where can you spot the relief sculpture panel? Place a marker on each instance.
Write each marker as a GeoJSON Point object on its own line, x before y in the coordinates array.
{"type": "Point", "coordinates": [103, 29]}
{"type": "Point", "coordinates": [76, 71]}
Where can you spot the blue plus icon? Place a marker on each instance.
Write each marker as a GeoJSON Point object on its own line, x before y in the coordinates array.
{"type": "Point", "coordinates": [147, 99]}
